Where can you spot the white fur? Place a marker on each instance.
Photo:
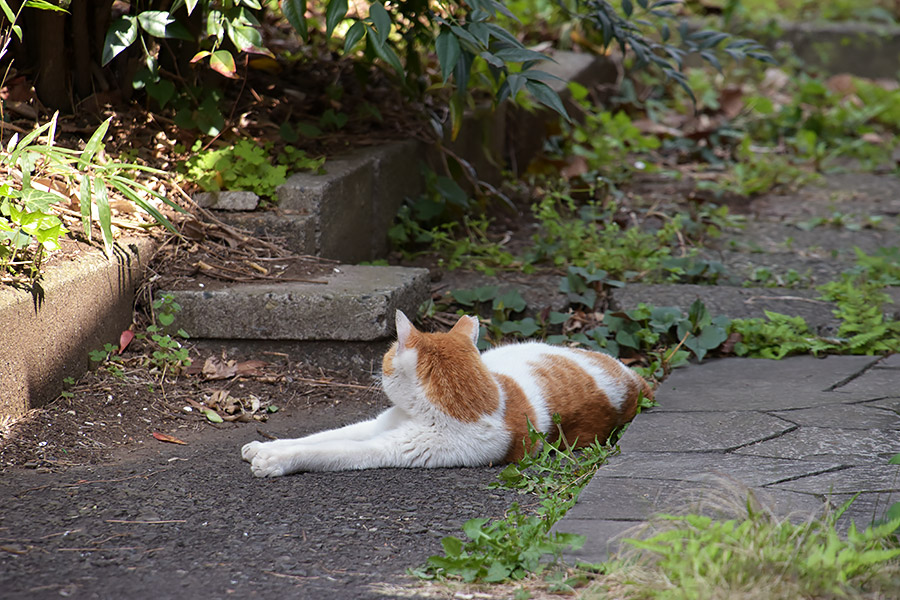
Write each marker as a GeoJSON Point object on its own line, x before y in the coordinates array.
{"type": "Point", "coordinates": [412, 433]}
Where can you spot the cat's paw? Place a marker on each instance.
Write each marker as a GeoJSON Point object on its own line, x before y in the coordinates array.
{"type": "Point", "coordinates": [266, 464]}
{"type": "Point", "coordinates": [250, 450]}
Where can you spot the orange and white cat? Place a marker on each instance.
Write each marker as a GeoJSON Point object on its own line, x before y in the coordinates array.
{"type": "Point", "coordinates": [455, 407]}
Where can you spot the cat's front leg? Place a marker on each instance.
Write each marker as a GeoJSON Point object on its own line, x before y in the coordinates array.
{"type": "Point", "coordinates": [387, 420]}
{"type": "Point", "coordinates": [410, 445]}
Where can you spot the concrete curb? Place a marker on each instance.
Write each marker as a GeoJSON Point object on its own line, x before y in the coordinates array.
{"type": "Point", "coordinates": [86, 304]}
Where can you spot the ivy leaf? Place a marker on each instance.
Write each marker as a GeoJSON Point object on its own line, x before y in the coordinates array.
{"type": "Point", "coordinates": [222, 62]}
{"type": "Point", "coordinates": [122, 33]}
{"type": "Point", "coordinates": [155, 22]}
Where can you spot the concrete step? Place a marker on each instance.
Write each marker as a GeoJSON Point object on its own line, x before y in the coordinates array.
{"type": "Point", "coordinates": [356, 304]}
{"type": "Point", "coordinates": [345, 213]}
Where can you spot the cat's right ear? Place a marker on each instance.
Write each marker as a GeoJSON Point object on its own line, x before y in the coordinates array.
{"type": "Point", "coordinates": [468, 326]}
{"type": "Point", "coordinates": [404, 328]}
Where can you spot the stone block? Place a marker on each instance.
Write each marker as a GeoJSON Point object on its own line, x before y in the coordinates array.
{"type": "Point", "coordinates": [297, 232]}
{"type": "Point", "coordinates": [341, 201]}
{"type": "Point", "coordinates": [227, 200]}
{"type": "Point", "coordinates": [398, 171]}
{"type": "Point", "coordinates": [356, 304]}
{"type": "Point", "coordinates": [863, 49]}
{"type": "Point", "coordinates": [85, 304]}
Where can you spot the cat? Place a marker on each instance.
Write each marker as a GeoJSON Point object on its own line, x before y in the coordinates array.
{"type": "Point", "coordinates": [455, 407]}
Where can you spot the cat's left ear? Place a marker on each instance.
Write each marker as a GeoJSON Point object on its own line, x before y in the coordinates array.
{"type": "Point", "coordinates": [404, 328]}
{"type": "Point", "coordinates": [468, 326]}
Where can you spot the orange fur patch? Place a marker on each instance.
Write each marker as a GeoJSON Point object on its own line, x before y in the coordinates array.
{"type": "Point", "coordinates": [572, 393]}
{"type": "Point", "coordinates": [455, 379]}
{"type": "Point", "coordinates": [635, 384]}
{"type": "Point", "coordinates": [516, 416]}
{"type": "Point", "coordinates": [387, 363]}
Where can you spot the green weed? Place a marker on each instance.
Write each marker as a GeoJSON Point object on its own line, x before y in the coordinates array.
{"type": "Point", "coordinates": [520, 543]}
{"type": "Point", "coordinates": [756, 555]}
{"type": "Point", "coordinates": [246, 166]}
{"type": "Point", "coordinates": [168, 354]}
{"type": "Point", "coordinates": [859, 297]}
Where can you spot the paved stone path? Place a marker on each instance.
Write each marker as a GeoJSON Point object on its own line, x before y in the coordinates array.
{"type": "Point", "coordinates": [799, 433]}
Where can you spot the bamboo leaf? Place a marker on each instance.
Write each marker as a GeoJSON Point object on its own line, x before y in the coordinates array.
{"type": "Point", "coordinates": [93, 145]}
{"type": "Point", "coordinates": [382, 21]}
{"type": "Point", "coordinates": [84, 199]}
{"type": "Point", "coordinates": [101, 199]}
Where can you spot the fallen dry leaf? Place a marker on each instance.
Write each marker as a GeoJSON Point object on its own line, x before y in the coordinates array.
{"type": "Point", "coordinates": [251, 368]}
{"type": "Point", "coordinates": [164, 437]}
{"type": "Point", "coordinates": [124, 339]}
{"type": "Point", "coordinates": [216, 368]}
{"type": "Point", "coordinates": [218, 399]}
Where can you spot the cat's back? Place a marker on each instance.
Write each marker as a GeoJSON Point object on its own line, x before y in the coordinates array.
{"type": "Point", "coordinates": [592, 392]}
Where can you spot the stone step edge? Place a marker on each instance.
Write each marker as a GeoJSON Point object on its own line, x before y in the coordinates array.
{"type": "Point", "coordinates": [356, 304]}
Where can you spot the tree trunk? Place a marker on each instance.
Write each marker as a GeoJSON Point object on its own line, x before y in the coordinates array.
{"type": "Point", "coordinates": [81, 43]}
{"type": "Point", "coordinates": [52, 81]}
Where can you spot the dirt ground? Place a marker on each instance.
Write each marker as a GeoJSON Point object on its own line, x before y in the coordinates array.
{"type": "Point", "coordinates": [103, 509]}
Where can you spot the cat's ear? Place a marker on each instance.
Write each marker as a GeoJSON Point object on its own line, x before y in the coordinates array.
{"type": "Point", "coordinates": [467, 326]}
{"type": "Point", "coordinates": [404, 328]}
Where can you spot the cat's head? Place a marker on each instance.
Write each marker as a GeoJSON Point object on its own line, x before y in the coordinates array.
{"type": "Point", "coordinates": [445, 368]}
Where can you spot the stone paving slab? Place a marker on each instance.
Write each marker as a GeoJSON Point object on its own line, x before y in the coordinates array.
{"type": "Point", "coordinates": [820, 443]}
{"type": "Point", "coordinates": [637, 499]}
{"type": "Point", "coordinates": [696, 467]}
{"type": "Point", "coordinates": [818, 447]}
{"type": "Point", "coordinates": [865, 478]}
{"type": "Point", "coordinates": [759, 384]}
{"type": "Point", "coordinates": [876, 383]}
{"type": "Point", "coordinates": [701, 431]}
{"type": "Point", "coordinates": [890, 362]}
{"type": "Point", "coordinates": [356, 304]}
{"type": "Point", "coordinates": [845, 416]}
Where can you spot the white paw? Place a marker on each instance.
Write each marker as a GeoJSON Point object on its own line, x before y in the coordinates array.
{"type": "Point", "coordinates": [266, 463]}
{"type": "Point", "coordinates": [250, 450]}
